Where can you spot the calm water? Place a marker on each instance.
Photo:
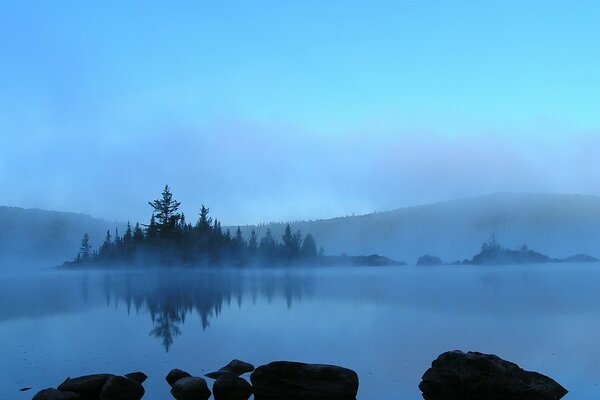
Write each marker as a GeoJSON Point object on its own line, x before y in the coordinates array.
{"type": "Point", "coordinates": [388, 324]}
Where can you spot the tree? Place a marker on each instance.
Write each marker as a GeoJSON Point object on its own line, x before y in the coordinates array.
{"type": "Point", "coordinates": [85, 247]}
{"type": "Point", "coordinates": [252, 243]}
{"type": "Point", "coordinates": [309, 247]}
{"type": "Point", "coordinates": [165, 210]}
{"type": "Point", "coordinates": [291, 242]}
{"type": "Point", "coordinates": [267, 245]}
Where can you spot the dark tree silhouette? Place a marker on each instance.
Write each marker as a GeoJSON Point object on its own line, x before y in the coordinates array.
{"type": "Point", "coordinates": [85, 247]}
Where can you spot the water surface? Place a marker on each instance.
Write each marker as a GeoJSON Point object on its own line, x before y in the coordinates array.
{"type": "Point", "coordinates": [387, 324]}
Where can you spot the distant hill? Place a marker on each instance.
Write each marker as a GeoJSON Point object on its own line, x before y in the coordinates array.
{"type": "Point", "coordinates": [557, 224]}
{"type": "Point", "coordinates": [33, 237]}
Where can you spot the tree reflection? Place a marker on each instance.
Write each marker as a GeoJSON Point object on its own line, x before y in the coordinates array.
{"type": "Point", "coordinates": [169, 297]}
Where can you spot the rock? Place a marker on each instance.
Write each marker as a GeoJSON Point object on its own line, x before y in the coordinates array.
{"type": "Point", "coordinates": [429, 260]}
{"type": "Point", "coordinates": [174, 375]}
{"type": "Point", "coordinates": [190, 388]}
{"type": "Point", "coordinates": [137, 376]}
{"type": "Point", "coordinates": [55, 394]}
{"type": "Point", "coordinates": [85, 386]}
{"type": "Point", "coordinates": [121, 388]}
{"type": "Point", "coordinates": [299, 381]}
{"type": "Point", "coordinates": [218, 374]}
{"type": "Point", "coordinates": [231, 387]}
{"type": "Point", "coordinates": [236, 367]}
{"type": "Point", "coordinates": [456, 375]}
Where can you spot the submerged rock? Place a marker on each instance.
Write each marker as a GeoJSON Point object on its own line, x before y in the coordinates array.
{"type": "Point", "coordinates": [85, 386]}
{"type": "Point", "coordinates": [137, 376]}
{"type": "Point", "coordinates": [298, 381]}
{"type": "Point", "coordinates": [231, 387]}
{"type": "Point", "coordinates": [456, 375]}
{"type": "Point", "coordinates": [174, 375]}
{"type": "Point", "coordinates": [190, 388]}
{"type": "Point", "coordinates": [55, 394]}
{"type": "Point", "coordinates": [121, 388]}
{"type": "Point", "coordinates": [235, 366]}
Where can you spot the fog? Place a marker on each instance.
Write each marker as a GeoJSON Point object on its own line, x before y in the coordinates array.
{"type": "Point", "coordinates": [250, 174]}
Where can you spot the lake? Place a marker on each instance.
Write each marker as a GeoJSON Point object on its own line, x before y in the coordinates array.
{"type": "Point", "coordinates": [387, 324]}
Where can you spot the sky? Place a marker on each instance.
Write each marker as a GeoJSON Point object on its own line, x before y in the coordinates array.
{"type": "Point", "coordinates": [287, 110]}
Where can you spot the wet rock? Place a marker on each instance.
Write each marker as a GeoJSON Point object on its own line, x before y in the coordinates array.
{"type": "Point", "coordinates": [456, 375]}
{"type": "Point", "coordinates": [298, 381]}
{"type": "Point", "coordinates": [87, 386]}
{"type": "Point", "coordinates": [121, 388]}
{"type": "Point", "coordinates": [137, 376]}
{"type": "Point", "coordinates": [55, 394]}
{"type": "Point", "coordinates": [236, 367]}
{"type": "Point", "coordinates": [218, 374]}
{"type": "Point", "coordinates": [176, 374]}
{"type": "Point", "coordinates": [190, 388]}
{"type": "Point", "coordinates": [231, 387]}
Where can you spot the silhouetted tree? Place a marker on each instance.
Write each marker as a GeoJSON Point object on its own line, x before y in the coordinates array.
{"type": "Point", "coordinates": [165, 210]}
{"type": "Point", "coordinates": [309, 247]}
{"type": "Point", "coordinates": [85, 247]}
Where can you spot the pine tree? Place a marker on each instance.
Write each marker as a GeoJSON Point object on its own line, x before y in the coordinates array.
{"type": "Point", "coordinates": [252, 243]}
{"type": "Point", "coordinates": [309, 247]}
{"type": "Point", "coordinates": [165, 210]}
{"type": "Point", "coordinates": [84, 248]}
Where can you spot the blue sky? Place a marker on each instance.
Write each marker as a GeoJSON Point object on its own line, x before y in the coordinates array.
{"type": "Point", "coordinates": [285, 110]}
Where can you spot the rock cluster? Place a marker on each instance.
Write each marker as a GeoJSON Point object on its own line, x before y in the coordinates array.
{"type": "Point", "coordinates": [454, 375]}
{"type": "Point", "coordinates": [97, 387]}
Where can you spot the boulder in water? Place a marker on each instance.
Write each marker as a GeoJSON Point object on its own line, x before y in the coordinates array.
{"type": "Point", "coordinates": [231, 387]}
{"type": "Point", "coordinates": [121, 388]}
{"type": "Point", "coordinates": [176, 374]}
{"type": "Point", "coordinates": [137, 376]}
{"type": "Point", "coordinates": [55, 394]}
{"type": "Point", "coordinates": [190, 388]}
{"type": "Point", "coordinates": [456, 375]}
{"type": "Point", "coordinates": [299, 381]}
{"type": "Point", "coordinates": [85, 386]}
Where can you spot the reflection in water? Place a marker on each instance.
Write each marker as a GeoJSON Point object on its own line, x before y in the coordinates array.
{"type": "Point", "coordinates": [386, 323]}
{"type": "Point", "coordinates": [170, 297]}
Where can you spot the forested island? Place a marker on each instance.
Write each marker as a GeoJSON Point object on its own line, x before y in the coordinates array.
{"type": "Point", "coordinates": [168, 239]}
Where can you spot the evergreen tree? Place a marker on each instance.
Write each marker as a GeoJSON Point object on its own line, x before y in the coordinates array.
{"type": "Point", "coordinates": [291, 242]}
{"type": "Point", "coordinates": [84, 248]}
{"type": "Point", "coordinates": [138, 234]}
{"type": "Point", "coordinates": [309, 247]}
{"type": "Point", "coordinates": [165, 210]}
{"type": "Point", "coordinates": [252, 243]}
{"type": "Point", "coordinates": [128, 237]}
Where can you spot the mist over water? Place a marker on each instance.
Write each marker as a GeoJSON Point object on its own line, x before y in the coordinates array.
{"type": "Point", "coordinates": [388, 323]}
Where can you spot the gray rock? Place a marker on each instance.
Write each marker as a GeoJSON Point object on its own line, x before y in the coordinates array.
{"type": "Point", "coordinates": [298, 381]}
{"type": "Point", "coordinates": [121, 388]}
{"type": "Point", "coordinates": [456, 375]}
{"type": "Point", "coordinates": [231, 387]}
{"type": "Point", "coordinates": [55, 394]}
{"type": "Point", "coordinates": [85, 386]}
{"type": "Point", "coordinates": [190, 388]}
{"type": "Point", "coordinates": [137, 376]}
{"type": "Point", "coordinates": [174, 375]}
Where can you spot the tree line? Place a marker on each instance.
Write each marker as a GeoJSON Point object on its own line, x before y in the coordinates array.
{"type": "Point", "coordinates": [169, 239]}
